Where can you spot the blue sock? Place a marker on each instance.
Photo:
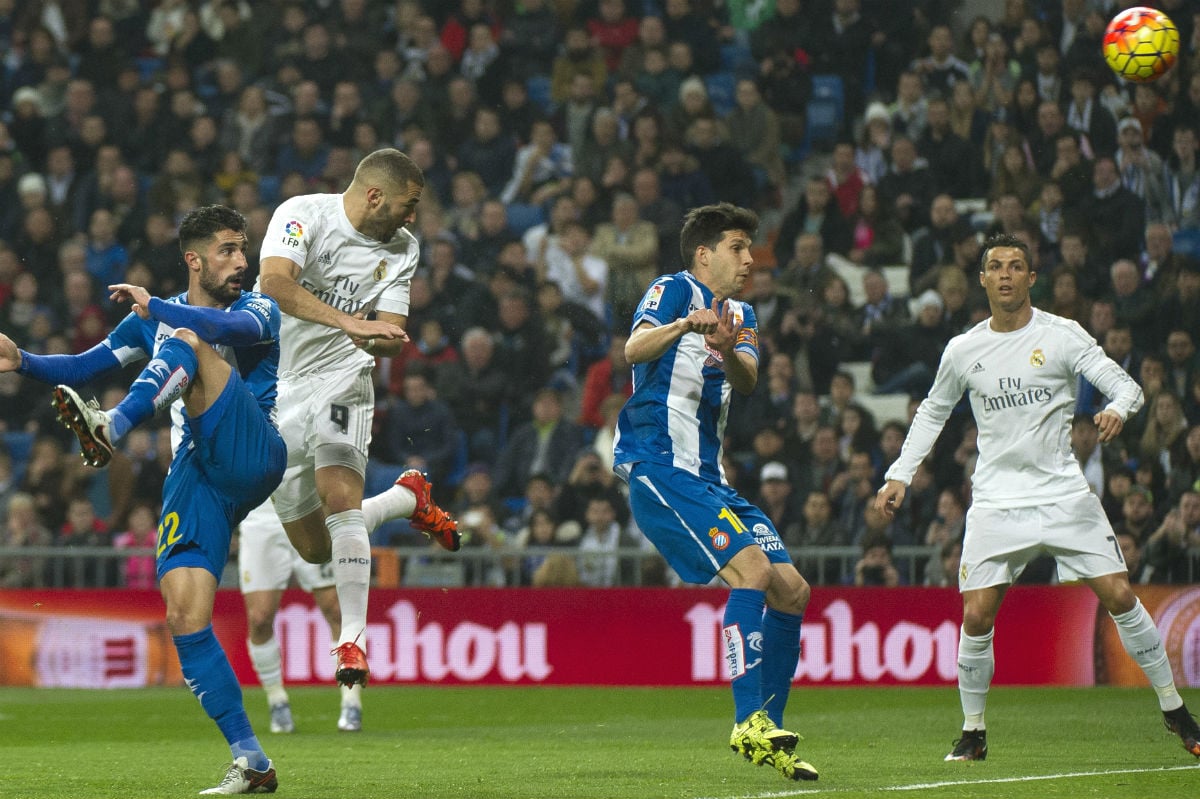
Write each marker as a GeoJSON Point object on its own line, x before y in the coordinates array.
{"type": "Point", "coordinates": [161, 382]}
{"type": "Point", "coordinates": [781, 653]}
{"type": "Point", "coordinates": [208, 673]}
{"type": "Point", "coordinates": [742, 636]}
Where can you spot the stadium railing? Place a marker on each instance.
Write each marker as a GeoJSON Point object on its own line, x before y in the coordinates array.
{"type": "Point", "coordinates": [394, 567]}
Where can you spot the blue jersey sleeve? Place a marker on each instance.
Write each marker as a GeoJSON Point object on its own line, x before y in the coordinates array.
{"type": "Point", "coordinates": [265, 310]}
{"type": "Point", "coordinates": [214, 325]}
{"type": "Point", "coordinates": [73, 370]}
{"type": "Point", "coordinates": [666, 300]}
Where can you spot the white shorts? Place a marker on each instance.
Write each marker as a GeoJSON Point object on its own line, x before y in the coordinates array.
{"type": "Point", "coordinates": [336, 409]}
{"type": "Point", "coordinates": [267, 560]}
{"type": "Point", "coordinates": [999, 543]}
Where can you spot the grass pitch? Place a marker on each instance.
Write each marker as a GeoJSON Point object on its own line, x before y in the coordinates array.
{"type": "Point", "coordinates": [594, 743]}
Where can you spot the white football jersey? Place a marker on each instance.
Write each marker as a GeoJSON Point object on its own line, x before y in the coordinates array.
{"type": "Point", "coordinates": [342, 268]}
{"type": "Point", "coordinates": [1021, 386]}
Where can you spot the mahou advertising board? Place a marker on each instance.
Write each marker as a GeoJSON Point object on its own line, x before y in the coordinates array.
{"type": "Point", "coordinates": [851, 636]}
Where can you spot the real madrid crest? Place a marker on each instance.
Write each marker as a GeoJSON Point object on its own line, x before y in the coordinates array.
{"type": "Point", "coordinates": [381, 270]}
{"type": "Point", "coordinates": [1038, 358]}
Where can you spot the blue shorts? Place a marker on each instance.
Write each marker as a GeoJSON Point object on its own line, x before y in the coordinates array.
{"type": "Point", "coordinates": [696, 525]}
{"type": "Point", "coordinates": [235, 460]}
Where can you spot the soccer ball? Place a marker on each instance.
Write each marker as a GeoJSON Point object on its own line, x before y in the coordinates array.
{"type": "Point", "coordinates": [1140, 44]}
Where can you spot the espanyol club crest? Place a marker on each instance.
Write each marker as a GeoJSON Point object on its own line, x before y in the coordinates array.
{"type": "Point", "coordinates": [720, 538]}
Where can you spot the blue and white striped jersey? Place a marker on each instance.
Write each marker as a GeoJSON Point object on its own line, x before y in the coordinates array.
{"type": "Point", "coordinates": [677, 414]}
{"type": "Point", "coordinates": [135, 339]}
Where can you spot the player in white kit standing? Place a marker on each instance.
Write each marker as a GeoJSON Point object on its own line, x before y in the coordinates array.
{"type": "Point", "coordinates": [1020, 368]}
{"type": "Point", "coordinates": [333, 261]}
{"type": "Point", "coordinates": [267, 562]}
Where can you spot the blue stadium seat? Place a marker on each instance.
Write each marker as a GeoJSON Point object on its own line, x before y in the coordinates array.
{"type": "Point", "coordinates": [268, 189]}
{"type": "Point", "coordinates": [828, 88]}
{"type": "Point", "coordinates": [1187, 242]}
{"type": "Point", "coordinates": [538, 87]}
{"type": "Point", "coordinates": [522, 216]}
{"type": "Point", "coordinates": [738, 59]}
{"type": "Point", "coordinates": [721, 89]}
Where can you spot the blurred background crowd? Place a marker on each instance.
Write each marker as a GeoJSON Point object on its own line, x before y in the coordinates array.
{"type": "Point", "coordinates": [562, 141]}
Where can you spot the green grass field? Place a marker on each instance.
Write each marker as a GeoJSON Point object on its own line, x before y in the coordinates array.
{"type": "Point", "coordinates": [593, 743]}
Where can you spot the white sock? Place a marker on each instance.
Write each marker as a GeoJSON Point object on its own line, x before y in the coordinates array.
{"type": "Point", "coordinates": [395, 503]}
{"type": "Point", "coordinates": [268, 665]}
{"type": "Point", "coordinates": [976, 665]}
{"type": "Point", "coordinates": [1144, 644]}
{"type": "Point", "coordinates": [352, 696]}
{"type": "Point", "coordinates": [351, 571]}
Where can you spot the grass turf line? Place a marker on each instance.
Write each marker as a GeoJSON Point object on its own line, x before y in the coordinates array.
{"type": "Point", "coordinates": [593, 743]}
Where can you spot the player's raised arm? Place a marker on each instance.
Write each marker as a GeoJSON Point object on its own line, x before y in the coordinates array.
{"type": "Point", "coordinates": [277, 278]}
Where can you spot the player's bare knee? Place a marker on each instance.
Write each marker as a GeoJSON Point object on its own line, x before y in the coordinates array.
{"type": "Point", "coordinates": [189, 336]}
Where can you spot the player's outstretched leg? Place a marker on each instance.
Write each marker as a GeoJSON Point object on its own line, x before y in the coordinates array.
{"type": "Point", "coordinates": [971, 746]}
{"type": "Point", "coordinates": [1183, 724]}
{"type": "Point", "coordinates": [89, 424]}
{"type": "Point", "coordinates": [427, 516]}
{"type": "Point", "coordinates": [240, 778]}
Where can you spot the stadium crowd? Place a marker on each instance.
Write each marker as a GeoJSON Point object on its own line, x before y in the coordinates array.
{"type": "Point", "coordinates": [561, 142]}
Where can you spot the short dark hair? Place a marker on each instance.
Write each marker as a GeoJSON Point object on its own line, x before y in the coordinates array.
{"type": "Point", "coordinates": [705, 227]}
{"type": "Point", "coordinates": [205, 222]}
{"type": "Point", "coordinates": [1004, 240]}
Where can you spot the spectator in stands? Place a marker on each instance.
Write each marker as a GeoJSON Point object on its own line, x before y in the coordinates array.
{"type": "Point", "coordinates": [530, 39]}
{"type": "Point", "coordinates": [817, 211]}
{"type": "Point", "coordinates": [23, 528]}
{"type": "Point", "coordinates": [909, 358]}
{"type": "Point", "coordinates": [1087, 116]}
{"type": "Point", "coordinates": [542, 169]}
{"type": "Point", "coordinates": [933, 244]}
{"type": "Point", "coordinates": [1160, 263]}
{"type": "Point", "coordinates": [878, 239]}
{"type": "Point", "coordinates": [1134, 303]}
{"type": "Point", "coordinates": [607, 376]}
{"type": "Point", "coordinates": [1182, 362]}
{"type": "Point", "coordinates": [775, 498]}
{"type": "Point", "coordinates": [951, 158]}
{"type": "Point", "coordinates": [630, 247]}
{"type": "Point", "coordinates": [419, 429]}
{"type": "Point", "coordinates": [597, 561]}
{"type": "Point", "coordinates": [665, 214]}
{"type": "Point", "coordinates": [587, 478]}
{"type": "Point", "coordinates": [820, 528]}
{"type": "Point", "coordinates": [1116, 215]}
{"type": "Point", "coordinates": [581, 275]}
{"type": "Point", "coordinates": [1182, 178]}
{"type": "Point", "coordinates": [873, 151]}
{"type": "Point", "coordinates": [908, 187]}
{"type": "Point", "coordinates": [876, 567]}
{"type": "Point", "coordinates": [548, 443]}
{"type": "Point", "coordinates": [804, 271]}
{"type": "Point", "coordinates": [476, 391]}
{"type": "Point", "coordinates": [731, 176]}
{"type": "Point", "coordinates": [818, 470]}
{"type": "Point", "coordinates": [680, 176]}
{"type": "Point", "coordinates": [602, 143]}
{"type": "Point", "coordinates": [578, 57]}
{"type": "Point", "coordinates": [852, 490]}
{"type": "Point", "coordinates": [754, 132]}
{"type": "Point", "coordinates": [82, 528]}
{"type": "Point", "coordinates": [137, 571]}
{"type": "Point", "coordinates": [1166, 550]}
{"type": "Point", "coordinates": [941, 69]}
{"type": "Point", "coordinates": [1185, 462]}
{"type": "Point", "coordinates": [1182, 308]}
{"type": "Point", "coordinates": [1165, 430]}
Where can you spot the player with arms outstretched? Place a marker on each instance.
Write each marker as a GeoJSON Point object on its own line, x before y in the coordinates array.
{"type": "Point", "coordinates": [332, 261]}
{"type": "Point", "coordinates": [1020, 368]}
{"type": "Point", "coordinates": [213, 353]}
{"type": "Point", "coordinates": [693, 344]}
